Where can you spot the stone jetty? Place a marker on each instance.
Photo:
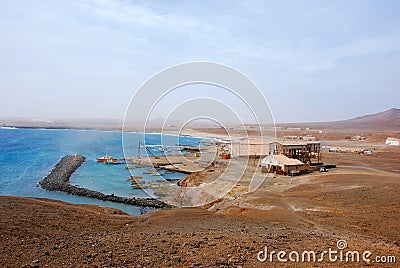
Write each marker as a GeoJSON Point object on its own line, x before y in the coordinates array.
{"type": "Point", "coordinates": [58, 180]}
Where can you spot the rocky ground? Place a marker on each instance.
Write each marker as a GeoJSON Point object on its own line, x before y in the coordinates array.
{"type": "Point", "coordinates": [45, 233]}
{"type": "Point", "coordinates": [358, 202]}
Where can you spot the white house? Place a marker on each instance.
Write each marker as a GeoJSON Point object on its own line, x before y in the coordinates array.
{"type": "Point", "coordinates": [392, 141]}
{"type": "Point", "coordinates": [281, 164]}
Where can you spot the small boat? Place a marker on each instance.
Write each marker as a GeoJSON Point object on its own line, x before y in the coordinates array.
{"type": "Point", "coordinates": [133, 178]}
{"type": "Point", "coordinates": [139, 186]}
{"type": "Point", "coordinates": [151, 171]}
{"type": "Point", "coordinates": [172, 180]}
{"type": "Point", "coordinates": [106, 158]}
{"type": "Point", "coordinates": [136, 184]}
{"type": "Point", "coordinates": [113, 161]}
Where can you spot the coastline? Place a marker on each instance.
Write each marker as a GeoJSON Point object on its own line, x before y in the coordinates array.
{"type": "Point", "coordinates": [58, 180]}
{"type": "Point", "coordinates": [187, 133]}
{"type": "Point", "coordinates": [109, 125]}
{"type": "Point", "coordinates": [293, 213]}
{"type": "Point", "coordinates": [83, 124]}
{"type": "Point", "coordinates": [46, 164]}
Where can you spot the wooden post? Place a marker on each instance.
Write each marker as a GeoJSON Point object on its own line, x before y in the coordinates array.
{"type": "Point", "coordinates": [138, 149]}
{"type": "Point", "coordinates": [319, 154]}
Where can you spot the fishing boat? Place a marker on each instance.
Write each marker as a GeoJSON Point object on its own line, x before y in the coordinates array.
{"type": "Point", "coordinates": [105, 158]}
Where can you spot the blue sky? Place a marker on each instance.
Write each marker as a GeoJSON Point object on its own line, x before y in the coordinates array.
{"type": "Point", "coordinates": [313, 60]}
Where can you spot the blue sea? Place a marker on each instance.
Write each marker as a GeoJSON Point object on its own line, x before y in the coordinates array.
{"type": "Point", "coordinates": [28, 155]}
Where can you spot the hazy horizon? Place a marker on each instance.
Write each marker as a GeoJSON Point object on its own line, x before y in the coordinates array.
{"type": "Point", "coordinates": [314, 61]}
{"type": "Point", "coordinates": [153, 122]}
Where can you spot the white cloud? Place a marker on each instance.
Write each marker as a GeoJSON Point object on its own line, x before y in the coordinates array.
{"type": "Point", "coordinates": [125, 12]}
{"type": "Point", "coordinates": [100, 44]}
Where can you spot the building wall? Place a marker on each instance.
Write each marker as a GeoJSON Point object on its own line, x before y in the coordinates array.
{"type": "Point", "coordinates": [303, 152]}
{"type": "Point", "coordinates": [281, 170]}
{"type": "Point", "coordinates": [394, 143]}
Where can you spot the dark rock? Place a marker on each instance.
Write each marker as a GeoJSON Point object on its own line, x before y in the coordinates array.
{"type": "Point", "coordinates": [58, 180]}
{"type": "Point", "coordinates": [177, 259]}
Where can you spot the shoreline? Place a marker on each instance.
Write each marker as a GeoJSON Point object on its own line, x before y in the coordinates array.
{"type": "Point", "coordinates": [188, 133]}
{"type": "Point", "coordinates": [58, 180]}
{"type": "Point", "coordinates": [11, 127]}
{"type": "Point", "coordinates": [151, 132]}
{"type": "Point", "coordinates": [311, 213]}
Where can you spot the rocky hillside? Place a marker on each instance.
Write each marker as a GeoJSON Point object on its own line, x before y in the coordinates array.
{"type": "Point", "coordinates": [387, 120]}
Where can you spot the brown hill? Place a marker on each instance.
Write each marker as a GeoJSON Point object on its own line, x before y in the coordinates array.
{"type": "Point", "coordinates": [387, 120]}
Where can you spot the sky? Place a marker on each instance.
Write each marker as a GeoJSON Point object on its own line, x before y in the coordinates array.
{"type": "Point", "coordinates": [312, 60]}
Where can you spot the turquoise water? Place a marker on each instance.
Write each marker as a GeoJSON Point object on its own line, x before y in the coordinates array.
{"type": "Point", "coordinates": [28, 155]}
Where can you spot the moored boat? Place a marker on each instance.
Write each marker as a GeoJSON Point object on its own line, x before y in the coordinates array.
{"type": "Point", "coordinates": [104, 158]}
{"type": "Point", "coordinates": [107, 159]}
{"type": "Point", "coordinates": [133, 178]}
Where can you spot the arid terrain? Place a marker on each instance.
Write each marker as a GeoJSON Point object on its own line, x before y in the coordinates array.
{"type": "Point", "coordinates": [359, 202]}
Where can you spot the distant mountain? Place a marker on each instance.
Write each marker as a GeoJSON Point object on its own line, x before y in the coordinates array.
{"type": "Point", "coordinates": [387, 120]}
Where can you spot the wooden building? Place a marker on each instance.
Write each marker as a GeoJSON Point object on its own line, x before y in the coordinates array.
{"type": "Point", "coordinates": [308, 152]}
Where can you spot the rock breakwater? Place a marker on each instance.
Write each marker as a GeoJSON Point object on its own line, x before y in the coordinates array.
{"type": "Point", "coordinates": [58, 180]}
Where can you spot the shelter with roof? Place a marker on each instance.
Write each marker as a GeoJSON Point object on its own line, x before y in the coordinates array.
{"type": "Point", "coordinates": [283, 165]}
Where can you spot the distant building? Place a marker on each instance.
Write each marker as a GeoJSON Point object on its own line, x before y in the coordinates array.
{"type": "Point", "coordinates": [282, 165]}
{"type": "Point", "coordinates": [358, 138]}
{"type": "Point", "coordinates": [310, 138]}
{"type": "Point", "coordinates": [392, 141]}
{"type": "Point", "coordinates": [291, 137]}
{"type": "Point", "coordinates": [246, 147]}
